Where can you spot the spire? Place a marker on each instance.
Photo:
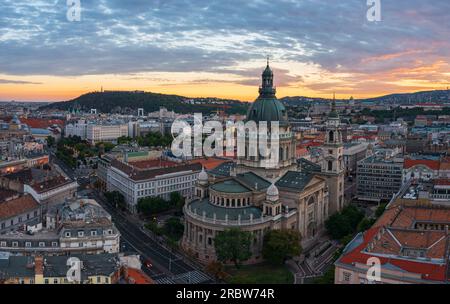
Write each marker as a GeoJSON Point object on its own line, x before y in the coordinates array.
{"type": "Point", "coordinates": [333, 105]}
{"type": "Point", "coordinates": [333, 113]}
{"type": "Point", "coordinates": [267, 89]}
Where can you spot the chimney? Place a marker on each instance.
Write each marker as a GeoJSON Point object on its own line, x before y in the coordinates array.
{"type": "Point", "coordinates": [38, 265]}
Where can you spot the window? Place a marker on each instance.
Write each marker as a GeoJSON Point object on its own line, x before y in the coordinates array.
{"type": "Point", "coordinates": [54, 244]}
{"type": "Point", "coordinates": [68, 234]}
{"type": "Point", "coordinates": [15, 244]}
{"type": "Point", "coordinates": [80, 233]}
{"type": "Point", "coordinates": [347, 276]}
{"type": "Point", "coordinates": [2, 244]}
{"type": "Point", "coordinates": [331, 136]}
{"type": "Point", "coordinates": [41, 244]}
{"type": "Point", "coordinates": [46, 281]}
{"type": "Point", "coordinates": [330, 165]}
{"type": "Point", "coordinates": [55, 281]}
{"type": "Point", "coordinates": [27, 244]}
{"type": "Point", "coordinates": [93, 233]}
{"type": "Point", "coordinates": [99, 279]}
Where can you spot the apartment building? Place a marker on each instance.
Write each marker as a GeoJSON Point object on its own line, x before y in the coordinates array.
{"type": "Point", "coordinates": [78, 128]}
{"type": "Point", "coordinates": [105, 132]}
{"type": "Point", "coordinates": [379, 177]}
{"type": "Point", "coordinates": [18, 211]}
{"type": "Point", "coordinates": [135, 183]}
{"type": "Point", "coordinates": [410, 242]}
{"type": "Point", "coordinates": [80, 226]}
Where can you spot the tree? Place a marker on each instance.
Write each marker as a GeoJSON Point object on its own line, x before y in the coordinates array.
{"type": "Point", "coordinates": [116, 199]}
{"type": "Point", "coordinates": [233, 245]}
{"type": "Point", "coordinates": [177, 200]}
{"type": "Point", "coordinates": [124, 140]}
{"type": "Point", "coordinates": [173, 228]}
{"type": "Point", "coordinates": [365, 224]}
{"type": "Point", "coordinates": [344, 223]}
{"type": "Point", "coordinates": [151, 205]}
{"type": "Point", "coordinates": [281, 244]}
{"type": "Point", "coordinates": [380, 210]}
{"type": "Point", "coordinates": [50, 141]}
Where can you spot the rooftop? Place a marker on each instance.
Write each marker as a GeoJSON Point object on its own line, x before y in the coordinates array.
{"type": "Point", "coordinates": [406, 238]}
{"type": "Point", "coordinates": [51, 184]}
{"type": "Point", "coordinates": [209, 163]}
{"type": "Point", "coordinates": [222, 169]}
{"type": "Point", "coordinates": [230, 186]}
{"type": "Point", "coordinates": [308, 166]}
{"type": "Point", "coordinates": [17, 206]}
{"type": "Point", "coordinates": [153, 164]}
{"type": "Point", "coordinates": [137, 174]}
{"type": "Point", "coordinates": [295, 180]}
{"type": "Point", "coordinates": [200, 206]}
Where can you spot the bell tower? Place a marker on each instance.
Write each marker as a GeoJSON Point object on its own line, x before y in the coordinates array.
{"type": "Point", "coordinates": [332, 162]}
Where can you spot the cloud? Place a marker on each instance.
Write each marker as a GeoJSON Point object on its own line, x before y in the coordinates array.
{"type": "Point", "coordinates": [9, 81]}
{"type": "Point", "coordinates": [167, 36]}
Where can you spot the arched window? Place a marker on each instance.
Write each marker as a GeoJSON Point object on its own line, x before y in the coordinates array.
{"type": "Point", "coordinates": [331, 136]}
{"type": "Point", "coordinates": [330, 165]}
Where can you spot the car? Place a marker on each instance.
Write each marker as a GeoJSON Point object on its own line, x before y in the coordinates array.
{"type": "Point", "coordinates": [148, 263]}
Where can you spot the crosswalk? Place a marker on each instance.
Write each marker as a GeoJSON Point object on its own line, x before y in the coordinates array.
{"type": "Point", "coordinates": [191, 277]}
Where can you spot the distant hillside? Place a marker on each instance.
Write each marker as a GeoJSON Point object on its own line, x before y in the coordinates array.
{"type": "Point", "coordinates": [438, 96]}
{"type": "Point", "coordinates": [129, 102]}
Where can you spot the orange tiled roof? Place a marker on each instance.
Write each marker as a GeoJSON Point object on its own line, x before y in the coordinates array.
{"type": "Point", "coordinates": [209, 163]}
{"type": "Point", "coordinates": [153, 164]}
{"type": "Point", "coordinates": [17, 206]}
{"type": "Point", "coordinates": [138, 277]}
{"type": "Point", "coordinates": [41, 123]}
{"type": "Point", "coordinates": [429, 271]}
{"type": "Point", "coordinates": [432, 164]}
{"type": "Point", "coordinates": [394, 231]}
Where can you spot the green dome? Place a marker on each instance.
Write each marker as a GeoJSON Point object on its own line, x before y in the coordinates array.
{"type": "Point", "coordinates": [267, 109]}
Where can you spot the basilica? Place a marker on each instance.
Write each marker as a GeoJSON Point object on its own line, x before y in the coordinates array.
{"type": "Point", "coordinates": [294, 194]}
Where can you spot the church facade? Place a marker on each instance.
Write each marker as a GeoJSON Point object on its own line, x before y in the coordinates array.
{"type": "Point", "coordinates": [293, 194]}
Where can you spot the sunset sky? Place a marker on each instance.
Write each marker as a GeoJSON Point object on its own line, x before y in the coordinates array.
{"type": "Point", "coordinates": [218, 48]}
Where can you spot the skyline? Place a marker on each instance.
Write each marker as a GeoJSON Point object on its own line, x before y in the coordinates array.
{"type": "Point", "coordinates": [214, 49]}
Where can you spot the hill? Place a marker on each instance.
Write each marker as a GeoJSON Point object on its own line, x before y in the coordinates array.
{"type": "Point", "coordinates": [127, 102]}
{"type": "Point", "coordinates": [438, 96]}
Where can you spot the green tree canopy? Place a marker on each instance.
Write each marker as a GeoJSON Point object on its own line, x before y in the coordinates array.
{"type": "Point", "coordinates": [344, 223]}
{"type": "Point", "coordinates": [50, 141]}
{"type": "Point", "coordinates": [174, 228]}
{"type": "Point", "coordinates": [117, 199]}
{"type": "Point", "coordinates": [281, 244]}
{"type": "Point", "coordinates": [233, 245]}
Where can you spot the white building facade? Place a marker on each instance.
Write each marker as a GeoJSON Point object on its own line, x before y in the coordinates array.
{"type": "Point", "coordinates": [135, 184]}
{"type": "Point", "coordinates": [105, 133]}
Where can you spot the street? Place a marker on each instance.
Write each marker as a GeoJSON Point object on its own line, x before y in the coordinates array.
{"type": "Point", "coordinates": [168, 267]}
